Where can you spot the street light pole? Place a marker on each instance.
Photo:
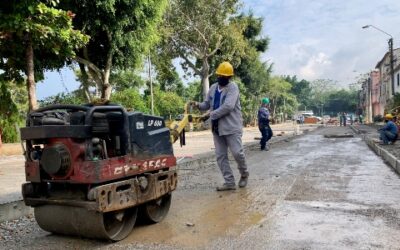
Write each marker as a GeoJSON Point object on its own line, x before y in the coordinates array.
{"type": "Point", "coordinates": [390, 42]}
{"type": "Point", "coordinates": [391, 62]}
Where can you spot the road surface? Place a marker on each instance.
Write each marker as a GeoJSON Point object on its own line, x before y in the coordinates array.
{"type": "Point", "coordinates": [308, 193]}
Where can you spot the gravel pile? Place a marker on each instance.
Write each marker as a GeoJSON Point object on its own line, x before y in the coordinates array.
{"type": "Point", "coordinates": [16, 230]}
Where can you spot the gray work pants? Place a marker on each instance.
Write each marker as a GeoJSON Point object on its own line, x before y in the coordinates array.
{"type": "Point", "coordinates": [234, 143]}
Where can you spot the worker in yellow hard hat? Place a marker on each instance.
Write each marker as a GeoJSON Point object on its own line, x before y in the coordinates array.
{"type": "Point", "coordinates": [389, 132]}
{"type": "Point", "coordinates": [223, 102]}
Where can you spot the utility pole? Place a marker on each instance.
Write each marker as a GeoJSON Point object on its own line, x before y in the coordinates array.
{"type": "Point", "coordinates": [390, 42]}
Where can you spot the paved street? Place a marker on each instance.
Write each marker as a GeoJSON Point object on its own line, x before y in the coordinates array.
{"type": "Point", "coordinates": [309, 193]}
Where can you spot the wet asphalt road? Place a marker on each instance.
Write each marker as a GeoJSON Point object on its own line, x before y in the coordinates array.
{"type": "Point", "coordinates": [309, 193]}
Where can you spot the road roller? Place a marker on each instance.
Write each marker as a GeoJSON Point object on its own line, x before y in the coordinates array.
{"type": "Point", "coordinates": [93, 170]}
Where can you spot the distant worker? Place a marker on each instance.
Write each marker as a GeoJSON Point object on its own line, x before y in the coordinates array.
{"type": "Point", "coordinates": [344, 117]}
{"type": "Point", "coordinates": [263, 124]}
{"type": "Point", "coordinates": [388, 133]}
{"type": "Point", "coordinates": [360, 118]}
{"type": "Point", "coordinates": [301, 119]}
{"type": "Point", "coordinates": [341, 119]}
{"type": "Point", "coordinates": [223, 102]}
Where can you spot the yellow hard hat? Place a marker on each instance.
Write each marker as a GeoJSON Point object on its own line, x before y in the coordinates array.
{"type": "Point", "coordinates": [225, 69]}
{"type": "Point", "coordinates": [389, 116]}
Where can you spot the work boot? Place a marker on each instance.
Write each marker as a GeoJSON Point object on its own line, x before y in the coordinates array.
{"type": "Point", "coordinates": [265, 149]}
{"type": "Point", "coordinates": [243, 181]}
{"type": "Point", "coordinates": [226, 187]}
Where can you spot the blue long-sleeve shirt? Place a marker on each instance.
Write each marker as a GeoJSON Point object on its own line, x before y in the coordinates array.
{"type": "Point", "coordinates": [263, 116]}
{"type": "Point", "coordinates": [391, 127]}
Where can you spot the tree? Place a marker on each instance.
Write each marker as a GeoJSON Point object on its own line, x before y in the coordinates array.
{"type": "Point", "coordinates": [131, 99]}
{"type": "Point", "coordinates": [301, 89]}
{"type": "Point", "coordinates": [320, 91]}
{"type": "Point", "coordinates": [167, 76]}
{"type": "Point", "coordinates": [253, 73]}
{"type": "Point", "coordinates": [192, 92]}
{"type": "Point", "coordinates": [12, 109]}
{"type": "Point", "coordinates": [394, 104]}
{"type": "Point", "coordinates": [341, 100]}
{"type": "Point", "coordinates": [121, 31]}
{"type": "Point", "coordinates": [198, 30]}
{"type": "Point", "coordinates": [168, 103]}
{"type": "Point", "coordinates": [62, 98]}
{"type": "Point", "coordinates": [33, 27]}
{"type": "Point", "coordinates": [278, 91]}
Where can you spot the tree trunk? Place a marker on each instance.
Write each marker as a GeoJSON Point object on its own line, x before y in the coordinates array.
{"type": "Point", "coordinates": [204, 77]}
{"type": "Point", "coordinates": [273, 106]}
{"type": "Point", "coordinates": [30, 74]}
{"type": "Point", "coordinates": [106, 90]}
{"type": "Point", "coordinates": [85, 82]}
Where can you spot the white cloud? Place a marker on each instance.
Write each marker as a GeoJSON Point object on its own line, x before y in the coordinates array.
{"type": "Point", "coordinates": [324, 39]}
{"type": "Point", "coordinates": [314, 66]}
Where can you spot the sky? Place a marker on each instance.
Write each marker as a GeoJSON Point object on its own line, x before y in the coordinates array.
{"type": "Point", "coordinates": [311, 39]}
{"type": "Point", "coordinates": [324, 38]}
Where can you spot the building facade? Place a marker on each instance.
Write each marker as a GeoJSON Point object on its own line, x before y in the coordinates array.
{"type": "Point", "coordinates": [377, 107]}
{"type": "Point", "coordinates": [397, 78]}
{"type": "Point", "coordinates": [385, 77]}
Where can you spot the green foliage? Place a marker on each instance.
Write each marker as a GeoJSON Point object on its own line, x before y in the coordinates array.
{"type": "Point", "coordinates": [38, 22]}
{"type": "Point", "coordinates": [202, 34]}
{"type": "Point", "coordinates": [302, 91]}
{"type": "Point", "coordinates": [125, 79]}
{"type": "Point", "coordinates": [279, 92]}
{"type": "Point", "coordinates": [35, 36]}
{"type": "Point", "coordinates": [10, 116]}
{"type": "Point", "coordinates": [378, 118]}
{"type": "Point", "coordinates": [341, 101]}
{"type": "Point", "coordinates": [131, 99]}
{"type": "Point", "coordinates": [192, 92]}
{"type": "Point", "coordinates": [121, 33]}
{"type": "Point", "coordinates": [63, 98]}
{"type": "Point", "coordinates": [249, 104]}
{"type": "Point", "coordinates": [126, 29]}
{"type": "Point", "coordinates": [394, 104]}
{"type": "Point", "coordinates": [166, 103]}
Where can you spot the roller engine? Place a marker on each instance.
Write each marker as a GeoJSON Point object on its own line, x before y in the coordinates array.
{"type": "Point", "coordinates": [92, 170]}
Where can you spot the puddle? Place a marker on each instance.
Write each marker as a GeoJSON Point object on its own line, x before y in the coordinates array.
{"type": "Point", "coordinates": [209, 215]}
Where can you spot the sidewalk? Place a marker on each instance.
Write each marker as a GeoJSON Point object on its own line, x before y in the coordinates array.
{"type": "Point", "coordinates": [12, 175]}
{"type": "Point", "coordinates": [389, 153]}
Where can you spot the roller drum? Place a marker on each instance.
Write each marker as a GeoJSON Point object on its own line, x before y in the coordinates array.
{"type": "Point", "coordinates": [79, 221]}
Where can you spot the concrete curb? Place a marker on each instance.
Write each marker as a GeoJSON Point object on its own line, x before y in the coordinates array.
{"type": "Point", "coordinates": [390, 159]}
{"type": "Point", "coordinates": [15, 209]}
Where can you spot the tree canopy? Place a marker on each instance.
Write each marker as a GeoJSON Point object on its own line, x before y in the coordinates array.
{"type": "Point", "coordinates": [121, 32]}
{"type": "Point", "coordinates": [196, 31]}
{"type": "Point", "coordinates": [35, 36]}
